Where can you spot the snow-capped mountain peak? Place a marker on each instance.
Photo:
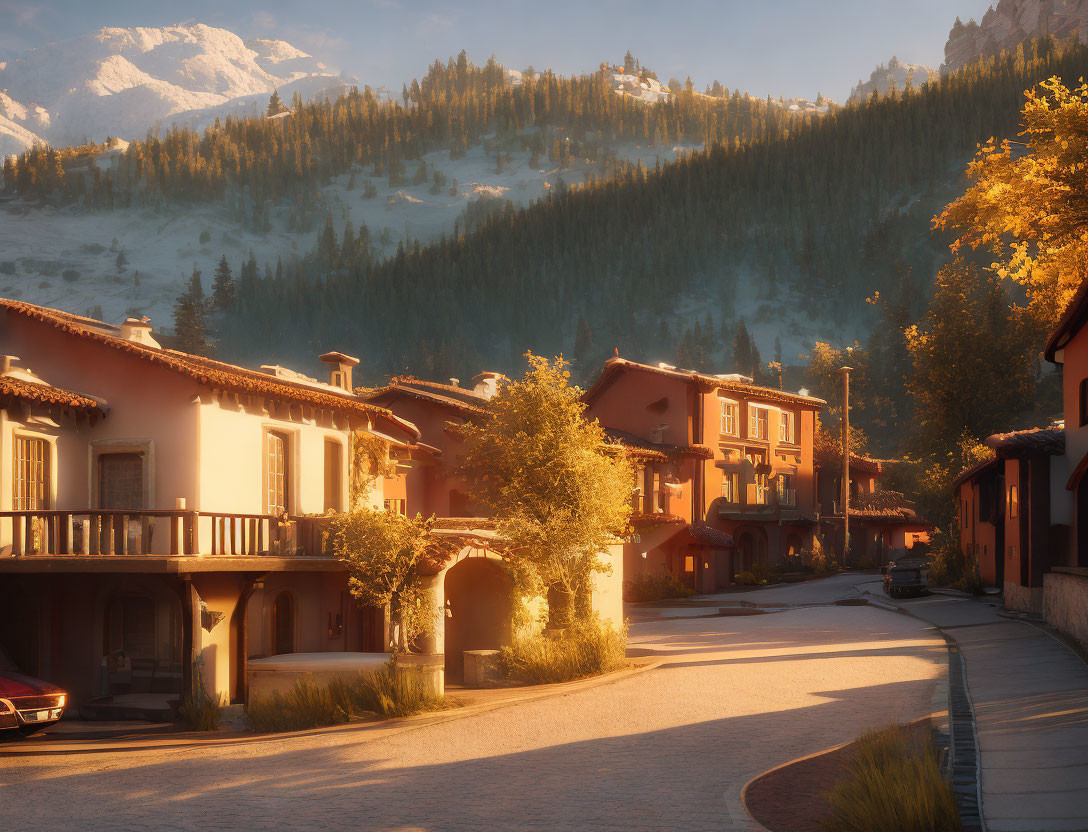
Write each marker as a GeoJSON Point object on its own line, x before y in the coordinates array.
{"type": "Point", "coordinates": [123, 81]}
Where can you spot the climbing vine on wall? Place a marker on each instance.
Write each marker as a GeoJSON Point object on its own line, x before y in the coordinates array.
{"type": "Point", "coordinates": [369, 460]}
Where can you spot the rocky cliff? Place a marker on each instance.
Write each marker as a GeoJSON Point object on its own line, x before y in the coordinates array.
{"type": "Point", "coordinates": [1010, 23]}
{"type": "Point", "coordinates": [894, 73]}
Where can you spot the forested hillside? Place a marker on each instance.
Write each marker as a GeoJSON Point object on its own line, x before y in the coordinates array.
{"type": "Point", "coordinates": [455, 106]}
{"type": "Point", "coordinates": [818, 217]}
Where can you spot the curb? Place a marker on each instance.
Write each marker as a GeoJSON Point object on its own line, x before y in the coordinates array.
{"type": "Point", "coordinates": [380, 729]}
{"type": "Point", "coordinates": [966, 757]}
{"type": "Point", "coordinates": [744, 789]}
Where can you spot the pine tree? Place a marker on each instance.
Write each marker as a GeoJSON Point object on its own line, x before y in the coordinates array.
{"type": "Point", "coordinates": [190, 312]}
{"type": "Point", "coordinates": [275, 105]}
{"type": "Point", "coordinates": [583, 340]}
{"type": "Point", "coordinates": [223, 286]}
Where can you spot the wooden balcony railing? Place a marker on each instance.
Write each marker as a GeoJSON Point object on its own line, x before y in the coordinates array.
{"type": "Point", "coordinates": [155, 532]}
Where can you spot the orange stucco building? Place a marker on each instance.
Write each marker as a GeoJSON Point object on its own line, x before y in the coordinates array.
{"type": "Point", "coordinates": [724, 476]}
{"type": "Point", "coordinates": [170, 510]}
{"type": "Point", "coordinates": [883, 524]}
{"type": "Point", "coordinates": [1023, 516]}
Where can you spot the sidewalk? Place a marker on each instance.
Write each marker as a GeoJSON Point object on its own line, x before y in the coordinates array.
{"type": "Point", "coordinates": [1030, 695]}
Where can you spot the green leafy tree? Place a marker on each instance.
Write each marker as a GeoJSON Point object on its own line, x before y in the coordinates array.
{"type": "Point", "coordinates": [976, 358]}
{"type": "Point", "coordinates": [559, 492]}
{"type": "Point", "coordinates": [385, 553]}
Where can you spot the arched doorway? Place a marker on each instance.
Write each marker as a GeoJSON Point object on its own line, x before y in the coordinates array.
{"type": "Point", "coordinates": [751, 549]}
{"type": "Point", "coordinates": [479, 606]}
{"type": "Point", "coordinates": [283, 624]}
{"type": "Point", "coordinates": [794, 546]}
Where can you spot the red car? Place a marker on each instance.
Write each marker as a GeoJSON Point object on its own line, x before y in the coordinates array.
{"type": "Point", "coordinates": [27, 704]}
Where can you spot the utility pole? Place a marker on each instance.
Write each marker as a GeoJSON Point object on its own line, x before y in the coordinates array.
{"type": "Point", "coordinates": [845, 463]}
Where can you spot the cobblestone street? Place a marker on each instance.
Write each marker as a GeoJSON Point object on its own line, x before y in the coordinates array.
{"type": "Point", "coordinates": [669, 748]}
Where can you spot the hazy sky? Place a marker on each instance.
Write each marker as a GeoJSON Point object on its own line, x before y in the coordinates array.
{"type": "Point", "coordinates": [787, 47]}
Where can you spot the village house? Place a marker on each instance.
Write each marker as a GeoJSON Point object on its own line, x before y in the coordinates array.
{"type": "Point", "coordinates": [724, 474]}
{"type": "Point", "coordinates": [884, 524]}
{"type": "Point", "coordinates": [158, 508]}
{"type": "Point", "coordinates": [472, 588]}
{"type": "Point", "coordinates": [1023, 516]}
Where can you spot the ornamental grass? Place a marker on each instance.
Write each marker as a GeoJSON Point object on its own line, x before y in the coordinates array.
{"type": "Point", "coordinates": [893, 782]}
{"type": "Point", "coordinates": [587, 648]}
{"type": "Point", "coordinates": [384, 693]}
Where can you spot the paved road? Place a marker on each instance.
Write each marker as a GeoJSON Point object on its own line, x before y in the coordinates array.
{"type": "Point", "coordinates": [668, 749]}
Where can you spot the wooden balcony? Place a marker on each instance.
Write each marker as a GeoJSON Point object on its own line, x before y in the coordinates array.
{"type": "Point", "coordinates": [100, 532]}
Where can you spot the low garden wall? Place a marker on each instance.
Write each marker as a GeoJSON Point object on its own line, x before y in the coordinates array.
{"type": "Point", "coordinates": [1065, 601]}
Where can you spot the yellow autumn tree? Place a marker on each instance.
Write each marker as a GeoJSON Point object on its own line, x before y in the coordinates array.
{"type": "Point", "coordinates": [558, 489]}
{"type": "Point", "coordinates": [1028, 201]}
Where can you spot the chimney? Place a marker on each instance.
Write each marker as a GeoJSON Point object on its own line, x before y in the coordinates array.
{"type": "Point", "coordinates": [486, 384]}
{"type": "Point", "coordinates": [7, 363]}
{"type": "Point", "coordinates": [340, 375]}
{"type": "Point", "coordinates": [138, 330]}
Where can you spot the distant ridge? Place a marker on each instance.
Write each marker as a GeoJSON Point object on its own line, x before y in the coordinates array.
{"type": "Point", "coordinates": [123, 81]}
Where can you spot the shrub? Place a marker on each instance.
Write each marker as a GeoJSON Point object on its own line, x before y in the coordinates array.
{"type": "Point", "coordinates": [306, 705]}
{"type": "Point", "coordinates": [384, 692]}
{"type": "Point", "coordinates": [587, 648]}
{"type": "Point", "coordinates": [892, 782]}
{"type": "Point", "coordinates": [309, 705]}
{"type": "Point", "coordinates": [199, 708]}
{"type": "Point", "coordinates": [746, 579]}
{"type": "Point", "coordinates": [647, 587]}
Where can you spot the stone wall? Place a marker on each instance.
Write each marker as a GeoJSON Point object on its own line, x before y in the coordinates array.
{"type": "Point", "coordinates": [1023, 598]}
{"type": "Point", "coordinates": [1065, 602]}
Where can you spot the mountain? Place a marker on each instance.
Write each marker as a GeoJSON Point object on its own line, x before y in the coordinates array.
{"type": "Point", "coordinates": [894, 73]}
{"type": "Point", "coordinates": [121, 82]}
{"type": "Point", "coordinates": [1010, 23]}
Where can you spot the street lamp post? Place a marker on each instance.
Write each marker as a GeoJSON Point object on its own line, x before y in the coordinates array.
{"type": "Point", "coordinates": [845, 463]}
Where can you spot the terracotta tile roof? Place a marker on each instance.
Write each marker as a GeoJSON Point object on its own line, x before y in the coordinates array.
{"type": "Point", "coordinates": [709, 536]}
{"type": "Point", "coordinates": [615, 365]}
{"type": "Point", "coordinates": [1073, 318]}
{"type": "Point", "coordinates": [1049, 441]}
{"type": "Point", "coordinates": [456, 398]}
{"type": "Point", "coordinates": [891, 505]}
{"type": "Point", "coordinates": [206, 371]}
{"type": "Point", "coordinates": [14, 388]}
{"type": "Point", "coordinates": [974, 471]}
{"type": "Point", "coordinates": [642, 448]}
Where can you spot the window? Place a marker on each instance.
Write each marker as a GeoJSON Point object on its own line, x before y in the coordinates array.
{"type": "Point", "coordinates": [334, 475]}
{"type": "Point", "coordinates": [966, 515]}
{"type": "Point", "coordinates": [786, 427]}
{"type": "Point", "coordinates": [729, 487]}
{"type": "Point", "coordinates": [759, 419]}
{"type": "Point", "coordinates": [31, 475]}
{"type": "Point", "coordinates": [1083, 402]}
{"type": "Point", "coordinates": [658, 504]}
{"type": "Point", "coordinates": [639, 490]}
{"type": "Point", "coordinates": [730, 418]}
{"type": "Point", "coordinates": [397, 506]}
{"type": "Point", "coordinates": [276, 474]}
{"type": "Point", "coordinates": [121, 481]}
{"type": "Point", "coordinates": [787, 496]}
{"type": "Point", "coordinates": [1014, 501]}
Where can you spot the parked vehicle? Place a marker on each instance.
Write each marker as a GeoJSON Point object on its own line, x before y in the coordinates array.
{"type": "Point", "coordinates": [27, 705]}
{"type": "Point", "coordinates": [905, 578]}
